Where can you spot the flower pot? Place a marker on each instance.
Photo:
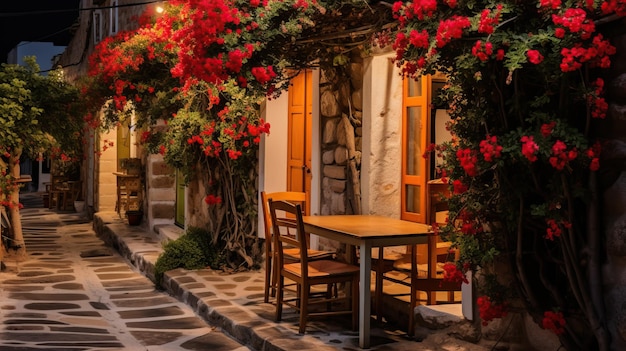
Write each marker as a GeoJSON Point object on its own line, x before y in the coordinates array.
{"type": "Point", "coordinates": [79, 206]}
{"type": "Point", "coordinates": [134, 217]}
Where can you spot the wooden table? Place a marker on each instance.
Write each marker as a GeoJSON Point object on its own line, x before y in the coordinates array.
{"type": "Point", "coordinates": [365, 232]}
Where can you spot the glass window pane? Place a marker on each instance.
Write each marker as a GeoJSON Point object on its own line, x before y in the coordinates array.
{"type": "Point", "coordinates": [415, 87]}
{"type": "Point", "coordinates": [413, 198]}
{"type": "Point", "coordinates": [413, 142]}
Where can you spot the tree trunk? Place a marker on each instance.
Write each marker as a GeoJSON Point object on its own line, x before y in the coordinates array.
{"type": "Point", "coordinates": [353, 173]}
{"type": "Point", "coordinates": [14, 210]}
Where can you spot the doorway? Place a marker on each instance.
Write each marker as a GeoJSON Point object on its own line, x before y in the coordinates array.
{"type": "Point", "coordinates": [299, 130]}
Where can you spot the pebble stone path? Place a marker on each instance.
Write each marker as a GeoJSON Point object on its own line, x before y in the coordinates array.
{"type": "Point", "coordinates": [74, 293]}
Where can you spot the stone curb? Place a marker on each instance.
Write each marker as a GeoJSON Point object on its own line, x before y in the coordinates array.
{"type": "Point", "coordinates": [142, 250]}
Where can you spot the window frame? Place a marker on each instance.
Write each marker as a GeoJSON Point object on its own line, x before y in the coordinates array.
{"type": "Point", "coordinates": [113, 17]}
{"type": "Point", "coordinates": [97, 26]}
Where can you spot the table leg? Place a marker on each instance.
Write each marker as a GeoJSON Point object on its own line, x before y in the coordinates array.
{"type": "Point", "coordinates": [365, 295]}
{"type": "Point", "coordinates": [378, 294]}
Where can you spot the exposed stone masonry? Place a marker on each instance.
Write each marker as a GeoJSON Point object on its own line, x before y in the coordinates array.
{"type": "Point", "coordinates": [341, 113]}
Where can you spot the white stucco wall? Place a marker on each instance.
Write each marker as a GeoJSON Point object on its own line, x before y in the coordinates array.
{"type": "Point", "coordinates": [273, 151]}
{"type": "Point", "coordinates": [107, 181]}
{"type": "Point", "coordinates": [382, 137]}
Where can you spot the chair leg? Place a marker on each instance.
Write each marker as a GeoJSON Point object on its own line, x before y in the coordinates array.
{"type": "Point", "coordinates": [304, 304]}
{"type": "Point", "coordinates": [355, 303]}
{"type": "Point", "coordinates": [279, 299]}
{"type": "Point", "coordinates": [329, 295]}
{"type": "Point", "coordinates": [298, 291]}
{"type": "Point", "coordinates": [269, 281]}
{"type": "Point", "coordinates": [431, 298]}
{"type": "Point", "coordinates": [275, 277]}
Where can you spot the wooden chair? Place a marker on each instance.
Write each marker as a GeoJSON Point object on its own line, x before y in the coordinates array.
{"type": "Point", "coordinates": [421, 267]}
{"type": "Point", "coordinates": [71, 193]}
{"type": "Point", "coordinates": [291, 254]}
{"type": "Point", "coordinates": [129, 194]}
{"type": "Point", "coordinates": [56, 191]}
{"type": "Point", "coordinates": [307, 273]}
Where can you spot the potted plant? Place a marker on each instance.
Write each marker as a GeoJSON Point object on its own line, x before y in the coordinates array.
{"type": "Point", "coordinates": [134, 217]}
{"type": "Point", "coordinates": [134, 212]}
{"type": "Point", "coordinates": [79, 205]}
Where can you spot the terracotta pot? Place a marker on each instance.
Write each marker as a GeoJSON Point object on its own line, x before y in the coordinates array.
{"type": "Point", "coordinates": [134, 217]}
{"type": "Point", "coordinates": [79, 206]}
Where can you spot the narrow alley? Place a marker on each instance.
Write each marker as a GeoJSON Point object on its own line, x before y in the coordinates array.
{"type": "Point", "coordinates": [75, 293]}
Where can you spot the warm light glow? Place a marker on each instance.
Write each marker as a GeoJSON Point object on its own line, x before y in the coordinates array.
{"type": "Point", "coordinates": [160, 9]}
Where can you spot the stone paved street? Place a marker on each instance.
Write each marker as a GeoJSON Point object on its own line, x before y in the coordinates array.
{"type": "Point", "coordinates": [75, 293]}
{"type": "Point", "coordinates": [80, 290]}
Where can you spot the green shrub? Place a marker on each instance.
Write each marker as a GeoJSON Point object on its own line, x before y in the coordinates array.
{"type": "Point", "coordinates": [193, 250]}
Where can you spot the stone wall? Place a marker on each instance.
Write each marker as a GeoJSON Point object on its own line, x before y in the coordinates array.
{"type": "Point", "coordinates": [161, 192]}
{"type": "Point", "coordinates": [341, 110]}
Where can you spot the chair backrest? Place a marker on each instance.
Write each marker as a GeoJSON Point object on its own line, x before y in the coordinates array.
{"type": "Point", "coordinates": [291, 196]}
{"type": "Point", "coordinates": [283, 228]}
{"type": "Point", "coordinates": [57, 182]}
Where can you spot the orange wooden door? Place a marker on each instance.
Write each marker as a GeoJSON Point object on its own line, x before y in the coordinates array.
{"type": "Point", "coordinates": [299, 135]}
{"type": "Point", "coordinates": [415, 128]}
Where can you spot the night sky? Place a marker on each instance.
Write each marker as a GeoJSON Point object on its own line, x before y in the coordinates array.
{"type": "Point", "coordinates": [35, 20]}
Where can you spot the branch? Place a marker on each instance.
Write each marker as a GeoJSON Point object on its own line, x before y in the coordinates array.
{"type": "Point", "coordinates": [575, 276]}
{"type": "Point", "coordinates": [519, 256]}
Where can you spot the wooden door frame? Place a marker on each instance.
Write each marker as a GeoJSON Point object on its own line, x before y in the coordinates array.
{"type": "Point", "coordinates": [307, 111]}
{"type": "Point", "coordinates": [419, 180]}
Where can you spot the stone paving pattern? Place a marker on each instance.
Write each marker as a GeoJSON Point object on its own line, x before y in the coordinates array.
{"type": "Point", "coordinates": [234, 303]}
{"type": "Point", "coordinates": [73, 292]}
{"type": "Point", "coordinates": [48, 305]}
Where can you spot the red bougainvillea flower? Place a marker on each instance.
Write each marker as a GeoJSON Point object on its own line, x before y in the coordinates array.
{"type": "Point", "coordinates": [595, 99]}
{"type": "Point", "coordinates": [469, 225]}
{"type": "Point", "coordinates": [459, 187]}
{"type": "Point", "coordinates": [555, 229]}
{"type": "Point", "coordinates": [594, 154]}
{"type": "Point", "coordinates": [490, 148]}
{"type": "Point", "coordinates": [482, 52]}
{"type": "Point", "coordinates": [529, 148]}
{"type": "Point", "coordinates": [576, 21]}
{"type": "Point", "coordinates": [554, 322]}
{"type": "Point", "coordinates": [534, 56]}
{"type": "Point", "coordinates": [552, 4]}
{"type": "Point", "coordinates": [468, 160]}
{"type": "Point", "coordinates": [489, 310]}
{"type": "Point", "coordinates": [452, 274]}
{"type": "Point", "coordinates": [212, 199]}
{"type": "Point", "coordinates": [546, 128]}
{"type": "Point", "coordinates": [450, 29]}
{"type": "Point", "coordinates": [489, 19]}
{"type": "Point", "coordinates": [561, 156]}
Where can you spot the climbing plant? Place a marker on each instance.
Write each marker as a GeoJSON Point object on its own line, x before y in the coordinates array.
{"type": "Point", "coordinates": [525, 92]}
{"type": "Point", "coordinates": [197, 75]}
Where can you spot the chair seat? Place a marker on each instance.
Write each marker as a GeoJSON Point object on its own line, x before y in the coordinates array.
{"type": "Point", "coordinates": [321, 268]}
{"type": "Point", "coordinates": [390, 253]}
{"type": "Point", "coordinates": [422, 269]}
{"type": "Point", "coordinates": [294, 253]}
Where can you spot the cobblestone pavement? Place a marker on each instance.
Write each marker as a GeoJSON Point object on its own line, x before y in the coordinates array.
{"type": "Point", "coordinates": [73, 292]}
{"type": "Point", "coordinates": [80, 290]}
